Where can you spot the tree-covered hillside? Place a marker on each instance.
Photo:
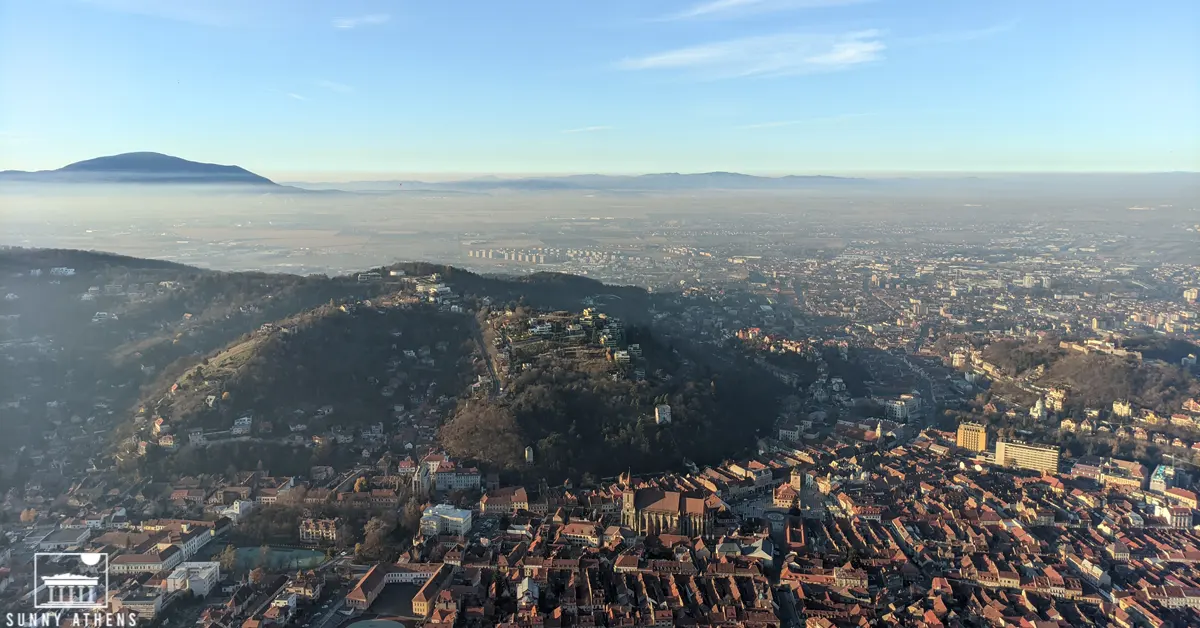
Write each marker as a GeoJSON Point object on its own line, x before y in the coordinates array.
{"type": "Point", "coordinates": [581, 414]}
{"type": "Point", "coordinates": [358, 359]}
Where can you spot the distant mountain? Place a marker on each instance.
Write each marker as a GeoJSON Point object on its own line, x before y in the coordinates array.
{"type": "Point", "coordinates": [672, 181]}
{"type": "Point", "coordinates": [141, 167]}
{"type": "Point", "coordinates": [1154, 185]}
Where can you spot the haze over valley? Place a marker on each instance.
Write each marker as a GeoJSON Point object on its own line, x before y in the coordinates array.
{"type": "Point", "coordinates": [180, 215]}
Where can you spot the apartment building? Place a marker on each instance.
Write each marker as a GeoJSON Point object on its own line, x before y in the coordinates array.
{"type": "Point", "coordinates": [1019, 455]}
{"type": "Point", "coordinates": [320, 530]}
{"type": "Point", "coordinates": [972, 436]}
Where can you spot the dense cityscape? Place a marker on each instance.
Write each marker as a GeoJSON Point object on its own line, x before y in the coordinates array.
{"type": "Point", "coordinates": [995, 433]}
{"type": "Point", "coordinates": [545, 314]}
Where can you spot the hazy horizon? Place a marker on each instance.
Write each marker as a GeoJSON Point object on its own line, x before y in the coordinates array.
{"type": "Point", "coordinates": [436, 177]}
{"type": "Point", "coordinates": [341, 176]}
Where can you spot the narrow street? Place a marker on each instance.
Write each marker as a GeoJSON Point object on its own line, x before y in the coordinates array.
{"type": "Point", "coordinates": [485, 351]}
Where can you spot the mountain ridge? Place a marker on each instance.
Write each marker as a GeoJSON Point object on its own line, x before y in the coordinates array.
{"type": "Point", "coordinates": [661, 181]}
{"type": "Point", "coordinates": [141, 167]}
{"type": "Point", "coordinates": [666, 182]}
{"type": "Point", "coordinates": [158, 168]}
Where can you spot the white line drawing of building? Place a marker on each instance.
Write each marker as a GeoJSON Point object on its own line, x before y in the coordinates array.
{"type": "Point", "coordinates": [83, 587]}
{"type": "Point", "coordinates": [70, 591]}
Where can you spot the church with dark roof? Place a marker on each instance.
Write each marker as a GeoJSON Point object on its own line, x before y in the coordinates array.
{"type": "Point", "coordinates": [650, 511]}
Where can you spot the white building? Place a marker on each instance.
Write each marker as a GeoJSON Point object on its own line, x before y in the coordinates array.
{"type": "Point", "coordinates": [238, 510]}
{"type": "Point", "coordinates": [1162, 479]}
{"type": "Point", "coordinates": [662, 414]}
{"type": "Point", "coordinates": [445, 519]}
{"type": "Point", "coordinates": [149, 562]}
{"type": "Point", "coordinates": [461, 479]}
{"type": "Point", "coordinates": [422, 481]}
{"type": "Point", "coordinates": [200, 578]}
{"type": "Point", "coordinates": [527, 593]}
{"type": "Point", "coordinates": [903, 408]}
{"type": "Point", "coordinates": [64, 538]}
{"type": "Point", "coordinates": [146, 602]}
{"type": "Point", "coordinates": [242, 426]}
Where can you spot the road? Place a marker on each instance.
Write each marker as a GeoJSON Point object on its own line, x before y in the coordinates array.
{"type": "Point", "coordinates": [329, 617]}
{"type": "Point", "coordinates": [261, 606]}
{"type": "Point", "coordinates": [487, 358]}
{"type": "Point", "coordinates": [788, 616]}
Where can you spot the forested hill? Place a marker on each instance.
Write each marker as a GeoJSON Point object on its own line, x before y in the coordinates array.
{"type": "Point", "coordinates": [352, 357]}
{"type": "Point", "coordinates": [162, 361]}
{"type": "Point", "coordinates": [1096, 379]}
{"type": "Point", "coordinates": [543, 290]}
{"type": "Point", "coordinates": [583, 411]}
{"type": "Point", "coordinates": [22, 260]}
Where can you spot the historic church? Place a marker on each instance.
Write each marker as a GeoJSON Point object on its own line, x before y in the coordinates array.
{"type": "Point", "coordinates": [650, 511]}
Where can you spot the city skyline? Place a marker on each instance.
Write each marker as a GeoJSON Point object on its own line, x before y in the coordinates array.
{"type": "Point", "coordinates": [758, 86]}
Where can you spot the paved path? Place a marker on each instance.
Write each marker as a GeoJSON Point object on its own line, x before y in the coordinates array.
{"type": "Point", "coordinates": [487, 358]}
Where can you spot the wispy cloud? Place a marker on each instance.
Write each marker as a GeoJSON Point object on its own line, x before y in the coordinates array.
{"type": "Point", "coordinates": [951, 37]}
{"type": "Point", "coordinates": [806, 121]}
{"type": "Point", "coordinates": [723, 9]}
{"type": "Point", "coordinates": [771, 55]}
{"type": "Point", "coordinates": [587, 129]}
{"type": "Point", "coordinates": [334, 86]}
{"type": "Point", "coordinates": [292, 95]}
{"type": "Point", "coordinates": [361, 20]}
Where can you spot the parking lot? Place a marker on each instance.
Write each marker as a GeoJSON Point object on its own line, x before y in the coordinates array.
{"type": "Point", "coordinates": [484, 526]}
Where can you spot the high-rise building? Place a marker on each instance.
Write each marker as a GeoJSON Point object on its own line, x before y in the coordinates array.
{"type": "Point", "coordinates": [972, 436]}
{"type": "Point", "coordinates": [1191, 295]}
{"type": "Point", "coordinates": [1043, 458]}
{"type": "Point", "coordinates": [1030, 282]}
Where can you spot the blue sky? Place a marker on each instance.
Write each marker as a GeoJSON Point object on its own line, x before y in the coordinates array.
{"type": "Point", "coordinates": [353, 88]}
